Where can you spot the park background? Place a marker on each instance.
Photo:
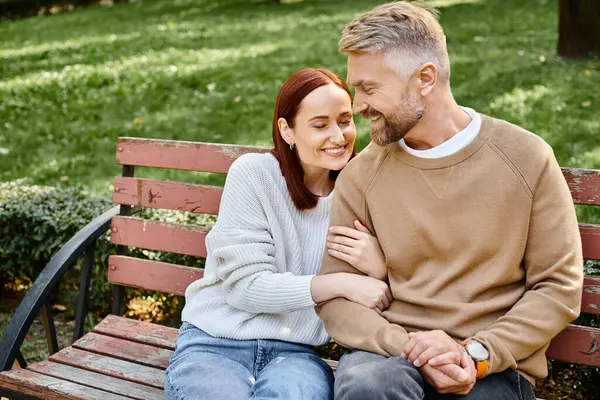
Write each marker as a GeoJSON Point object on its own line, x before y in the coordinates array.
{"type": "Point", "coordinates": [74, 78]}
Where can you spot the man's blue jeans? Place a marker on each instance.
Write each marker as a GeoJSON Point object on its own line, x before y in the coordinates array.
{"type": "Point", "coordinates": [363, 375]}
{"type": "Point", "coordinates": [205, 367]}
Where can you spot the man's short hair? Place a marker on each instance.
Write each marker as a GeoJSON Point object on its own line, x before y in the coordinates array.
{"type": "Point", "coordinates": [408, 34]}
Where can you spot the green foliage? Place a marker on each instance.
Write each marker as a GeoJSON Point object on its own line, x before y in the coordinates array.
{"type": "Point", "coordinates": [36, 221]}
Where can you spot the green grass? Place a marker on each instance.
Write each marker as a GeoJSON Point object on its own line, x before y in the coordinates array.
{"type": "Point", "coordinates": [209, 70]}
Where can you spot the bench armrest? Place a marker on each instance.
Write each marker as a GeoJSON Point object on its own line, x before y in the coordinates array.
{"type": "Point", "coordinates": [38, 294]}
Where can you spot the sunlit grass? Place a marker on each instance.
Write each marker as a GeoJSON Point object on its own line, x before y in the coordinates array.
{"type": "Point", "coordinates": [169, 63]}
{"type": "Point", "coordinates": [205, 70]}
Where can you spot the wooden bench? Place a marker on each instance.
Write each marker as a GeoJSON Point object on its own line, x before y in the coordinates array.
{"type": "Point", "coordinates": [123, 358]}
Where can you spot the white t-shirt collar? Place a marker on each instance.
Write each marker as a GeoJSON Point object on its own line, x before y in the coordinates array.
{"type": "Point", "coordinates": [452, 145]}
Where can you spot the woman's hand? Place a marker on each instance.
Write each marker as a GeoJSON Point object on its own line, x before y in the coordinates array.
{"type": "Point", "coordinates": [369, 292]}
{"type": "Point", "coordinates": [359, 248]}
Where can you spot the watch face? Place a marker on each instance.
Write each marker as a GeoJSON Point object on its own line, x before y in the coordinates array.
{"type": "Point", "coordinates": [477, 351]}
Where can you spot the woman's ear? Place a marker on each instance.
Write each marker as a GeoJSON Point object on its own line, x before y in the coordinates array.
{"type": "Point", "coordinates": [286, 132]}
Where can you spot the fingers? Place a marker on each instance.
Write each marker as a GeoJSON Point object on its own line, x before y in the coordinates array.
{"type": "Point", "coordinates": [344, 240]}
{"type": "Point", "coordinates": [451, 378]}
{"type": "Point", "coordinates": [454, 372]}
{"type": "Point", "coordinates": [389, 295]}
{"type": "Point", "coordinates": [385, 302]}
{"type": "Point", "coordinates": [345, 231]}
{"type": "Point", "coordinates": [340, 256]}
{"type": "Point", "coordinates": [415, 350]}
{"type": "Point", "coordinates": [360, 227]}
{"type": "Point", "coordinates": [469, 366]}
{"type": "Point", "coordinates": [410, 345]}
{"type": "Point", "coordinates": [450, 357]}
{"type": "Point", "coordinates": [380, 305]}
{"type": "Point", "coordinates": [342, 248]}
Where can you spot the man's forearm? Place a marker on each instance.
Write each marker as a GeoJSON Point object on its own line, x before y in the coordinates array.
{"type": "Point", "coordinates": [355, 326]}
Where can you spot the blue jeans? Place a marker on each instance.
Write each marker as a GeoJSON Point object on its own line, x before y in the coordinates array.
{"type": "Point", "coordinates": [363, 375]}
{"type": "Point", "coordinates": [206, 367]}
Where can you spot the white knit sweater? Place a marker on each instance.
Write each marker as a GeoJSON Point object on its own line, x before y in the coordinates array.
{"type": "Point", "coordinates": [262, 255]}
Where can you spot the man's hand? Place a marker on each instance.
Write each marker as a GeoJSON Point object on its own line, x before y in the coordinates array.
{"type": "Point", "coordinates": [423, 346]}
{"type": "Point", "coordinates": [451, 378]}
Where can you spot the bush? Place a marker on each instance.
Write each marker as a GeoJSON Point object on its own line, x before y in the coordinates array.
{"type": "Point", "coordinates": [36, 221]}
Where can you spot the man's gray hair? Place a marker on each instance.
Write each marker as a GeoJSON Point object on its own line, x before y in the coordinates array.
{"type": "Point", "coordinates": [408, 34]}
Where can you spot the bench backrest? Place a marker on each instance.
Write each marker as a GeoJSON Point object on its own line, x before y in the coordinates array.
{"type": "Point", "coordinates": [575, 344]}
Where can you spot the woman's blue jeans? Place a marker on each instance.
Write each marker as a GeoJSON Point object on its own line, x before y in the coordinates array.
{"type": "Point", "coordinates": [205, 367]}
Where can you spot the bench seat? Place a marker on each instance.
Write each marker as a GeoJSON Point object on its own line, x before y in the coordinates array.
{"type": "Point", "coordinates": [119, 359]}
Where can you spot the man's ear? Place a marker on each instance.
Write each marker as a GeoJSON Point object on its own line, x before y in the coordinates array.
{"type": "Point", "coordinates": [428, 77]}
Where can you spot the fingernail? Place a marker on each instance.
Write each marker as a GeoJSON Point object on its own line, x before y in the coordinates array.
{"type": "Point", "coordinates": [403, 355]}
{"type": "Point", "coordinates": [463, 376]}
{"type": "Point", "coordinates": [417, 363]}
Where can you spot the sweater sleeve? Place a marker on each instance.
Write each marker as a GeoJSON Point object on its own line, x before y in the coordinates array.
{"type": "Point", "coordinates": [244, 249]}
{"type": "Point", "coordinates": [554, 277]}
{"type": "Point", "coordinates": [348, 323]}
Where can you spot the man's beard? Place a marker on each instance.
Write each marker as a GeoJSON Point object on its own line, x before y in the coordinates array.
{"type": "Point", "coordinates": [395, 126]}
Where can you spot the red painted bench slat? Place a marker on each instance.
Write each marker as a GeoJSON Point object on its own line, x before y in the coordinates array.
{"type": "Point", "coordinates": [590, 301]}
{"type": "Point", "coordinates": [93, 379]}
{"type": "Point", "coordinates": [190, 156]}
{"type": "Point", "coordinates": [123, 349]}
{"type": "Point", "coordinates": [47, 387]}
{"type": "Point", "coordinates": [578, 344]}
{"type": "Point", "coordinates": [590, 240]}
{"type": "Point", "coordinates": [125, 370]}
{"type": "Point", "coordinates": [138, 331]}
{"type": "Point", "coordinates": [161, 236]}
{"type": "Point", "coordinates": [151, 275]}
{"type": "Point", "coordinates": [199, 199]}
{"type": "Point", "coordinates": [584, 185]}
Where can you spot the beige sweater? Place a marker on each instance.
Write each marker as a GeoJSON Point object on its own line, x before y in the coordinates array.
{"type": "Point", "coordinates": [482, 244]}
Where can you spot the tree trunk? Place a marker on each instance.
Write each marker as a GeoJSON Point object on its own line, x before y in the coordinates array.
{"type": "Point", "coordinates": [579, 34]}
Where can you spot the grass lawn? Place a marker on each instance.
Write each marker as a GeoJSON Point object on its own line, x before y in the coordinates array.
{"type": "Point", "coordinates": [209, 70]}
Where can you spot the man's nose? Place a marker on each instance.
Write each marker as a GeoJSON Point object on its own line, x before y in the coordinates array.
{"type": "Point", "coordinates": [358, 107]}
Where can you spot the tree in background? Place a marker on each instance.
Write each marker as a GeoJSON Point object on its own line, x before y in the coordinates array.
{"type": "Point", "coordinates": [579, 35]}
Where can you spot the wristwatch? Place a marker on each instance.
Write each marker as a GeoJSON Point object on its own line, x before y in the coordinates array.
{"type": "Point", "coordinates": [480, 356]}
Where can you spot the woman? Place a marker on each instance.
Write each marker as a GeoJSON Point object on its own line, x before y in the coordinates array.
{"type": "Point", "coordinates": [249, 324]}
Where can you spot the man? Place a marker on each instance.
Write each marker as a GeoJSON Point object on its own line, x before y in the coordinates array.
{"type": "Point", "coordinates": [475, 221]}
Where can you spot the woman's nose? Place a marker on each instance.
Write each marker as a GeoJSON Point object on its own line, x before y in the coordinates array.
{"type": "Point", "coordinates": [338, 136]}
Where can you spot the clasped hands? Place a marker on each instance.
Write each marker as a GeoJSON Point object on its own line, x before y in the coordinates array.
{"type": "Point", "coordinates": [443, 362]}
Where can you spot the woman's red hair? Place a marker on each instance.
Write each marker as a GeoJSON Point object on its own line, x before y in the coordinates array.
{"type": "Point", "coordinates": [294, 90]}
